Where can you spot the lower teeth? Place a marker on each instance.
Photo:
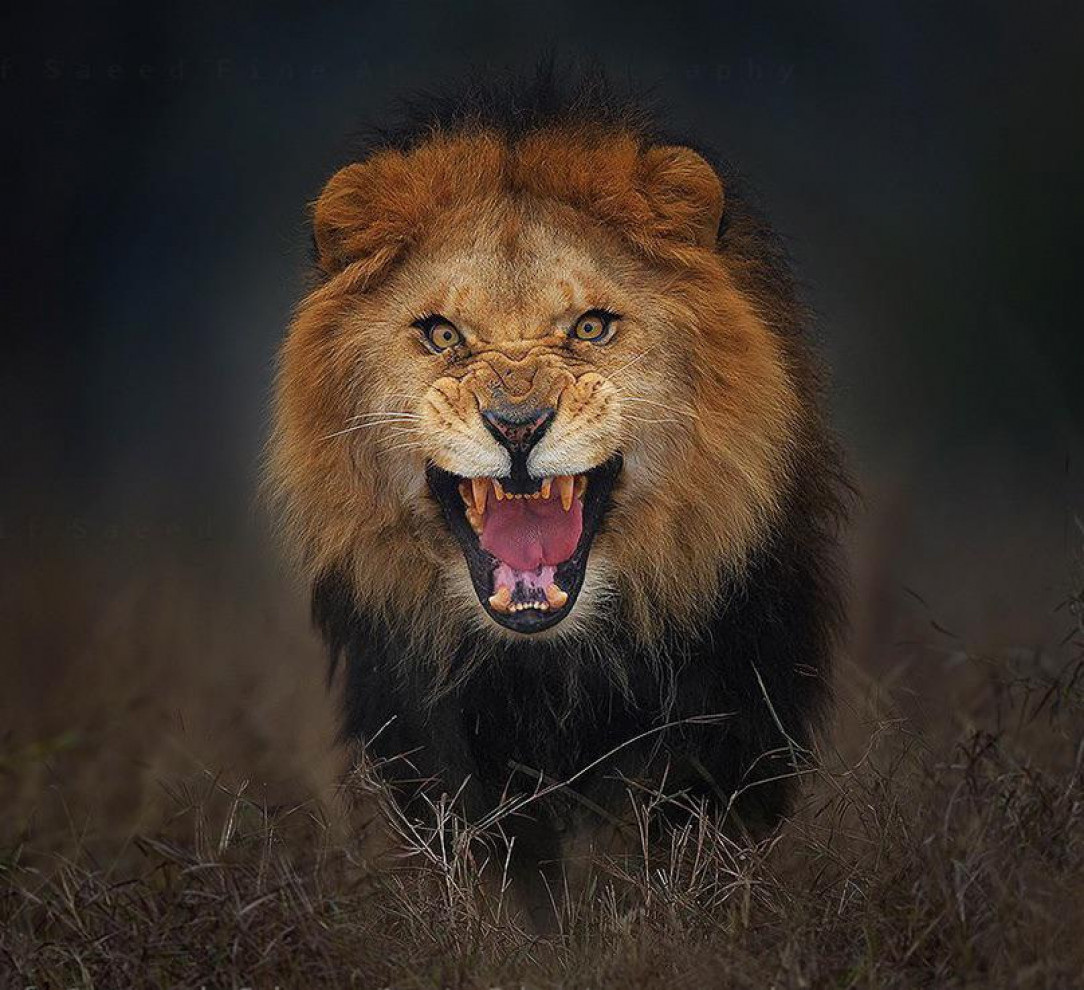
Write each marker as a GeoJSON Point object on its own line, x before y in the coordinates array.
{"type": "Point", "coordinates": [501, 602]}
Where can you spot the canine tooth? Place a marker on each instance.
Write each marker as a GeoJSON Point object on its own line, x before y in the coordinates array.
{"type": "Point", "coordinates": [501, 601]}
{"type": "Point", "coordinates": [497, 490]}
{"type": "Point", "coordinates": [555, 596]}
{"type": "Point", "coordinates": [547, 483]}
{"type": "Point", "coordinates": [565, 486]}
{"type": "Point", "coordinates": [581, 485]}
{"type": "Point", "coordinates": [465, 492]}
{"type": "Point", "coordinates": [480, 489]}
{"type": "Point", "coordinates": [475, 520]}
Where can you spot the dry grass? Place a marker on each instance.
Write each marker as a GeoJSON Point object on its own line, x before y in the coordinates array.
{"type": "Point", "coordinates": [941, 844]}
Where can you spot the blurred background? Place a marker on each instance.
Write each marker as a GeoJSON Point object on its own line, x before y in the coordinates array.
{"type": "Point", "coordinates": [921, 161]}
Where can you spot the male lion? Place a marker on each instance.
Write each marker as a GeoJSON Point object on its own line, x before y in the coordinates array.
{"type": "Point", "coordinates": [548, 439]}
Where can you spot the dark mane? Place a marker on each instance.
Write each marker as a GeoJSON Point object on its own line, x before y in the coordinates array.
{"type": "Point", "coordinates": [516, 105]}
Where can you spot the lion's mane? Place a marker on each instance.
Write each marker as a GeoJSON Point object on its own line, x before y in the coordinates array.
{"type": "Point", "coordinates": [753, 656]}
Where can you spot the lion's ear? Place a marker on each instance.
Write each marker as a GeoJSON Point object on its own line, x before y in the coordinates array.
{"type": "Point", "coordinates": [355, 220]}
{"type": "Point", "coordinates": [685, 192]}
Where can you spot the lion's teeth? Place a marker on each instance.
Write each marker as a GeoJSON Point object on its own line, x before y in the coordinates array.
{"type": "Point", "coordinates": [555, 596]}
{"type": "Point", "coordinates": [581, 485]}
{"type": "Point", "coordinates": [465, 493]}
{"type": "Point", "coordinates": [565, 485]}
{"type": "Point", "coordinates": [497, 490]}
{"type": "Point", "coordinates": [547, 483]}
{"type": "Point", "coordinates": [501, 601]}
{"type": "Point", "coordinates": [480, 489]}
{"type": "Point", "coordinates": [475, 519]}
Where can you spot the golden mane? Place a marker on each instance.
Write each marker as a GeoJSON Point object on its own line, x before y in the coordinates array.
{"type": "Point", "coordinates": [718, 478]}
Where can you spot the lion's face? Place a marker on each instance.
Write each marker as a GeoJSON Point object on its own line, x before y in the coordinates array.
{"type": "Point", "coordinates": [510, 408]}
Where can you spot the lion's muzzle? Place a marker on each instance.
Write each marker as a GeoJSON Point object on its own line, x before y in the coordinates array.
{"type": "Point", "coordinates": [518, 430]}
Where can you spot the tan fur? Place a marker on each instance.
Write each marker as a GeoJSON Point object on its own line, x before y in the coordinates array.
{"type": "Point", "coordinates": [512, 243]}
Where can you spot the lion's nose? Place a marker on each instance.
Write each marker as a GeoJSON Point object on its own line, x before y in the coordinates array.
{"type": "Point", "coordinates": [518, 430]}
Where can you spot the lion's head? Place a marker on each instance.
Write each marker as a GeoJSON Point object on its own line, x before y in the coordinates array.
{"type": "Point", "coordinates": [533, 386]}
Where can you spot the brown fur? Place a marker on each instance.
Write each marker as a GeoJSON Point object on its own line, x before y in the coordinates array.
{"type": "Point", "coordinates": [512, 239]}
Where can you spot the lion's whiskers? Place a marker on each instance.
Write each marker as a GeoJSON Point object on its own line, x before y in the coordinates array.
{"type": "Point", "coordinates": [669, 407]}
{"type": "Point", "coordinates": [628, 364]}
{"type": "Point", "coordinates": [641, 419]}
{"type": "Point", "coordinates": [366, 426]}
{"type": "Point", "coordinates": [386, 412]}
{"type": "Point", "coordinates": [622, 391]}
{"type": "Point", "coordinates": [411, 445]}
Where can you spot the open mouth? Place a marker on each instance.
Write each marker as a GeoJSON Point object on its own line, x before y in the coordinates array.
{"type": "Point", "coordinates": [526, 542]}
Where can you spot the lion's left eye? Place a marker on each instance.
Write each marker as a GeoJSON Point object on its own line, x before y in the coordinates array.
{"type": "Point", "coordinates": [595, 326]}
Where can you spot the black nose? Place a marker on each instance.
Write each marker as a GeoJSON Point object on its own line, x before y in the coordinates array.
{"type": "Point", "coordinates": [518, 430]}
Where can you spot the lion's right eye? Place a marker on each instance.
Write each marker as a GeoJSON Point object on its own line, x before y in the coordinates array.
{"type": "Point", "coordinates": [440, 334]}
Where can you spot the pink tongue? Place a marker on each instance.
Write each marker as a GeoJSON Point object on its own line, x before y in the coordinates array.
{"type": "Point", "coordinates": [527, 533]}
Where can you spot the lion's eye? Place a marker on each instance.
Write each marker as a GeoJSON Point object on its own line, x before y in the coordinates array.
{"type": "Point", "coordinates": [595, 326]}
{"type": "Point", "coordinates": [440, 334]}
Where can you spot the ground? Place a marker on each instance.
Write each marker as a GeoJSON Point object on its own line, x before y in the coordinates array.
{"type": "Point", "coordinates": [176, 813]}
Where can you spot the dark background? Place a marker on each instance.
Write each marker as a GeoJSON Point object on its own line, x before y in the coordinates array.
{"type": "Point", "coordinates": [923, 162]}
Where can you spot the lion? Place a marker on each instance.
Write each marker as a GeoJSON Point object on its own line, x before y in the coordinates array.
{"type": "Point", "coordinates": [549, 443]}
